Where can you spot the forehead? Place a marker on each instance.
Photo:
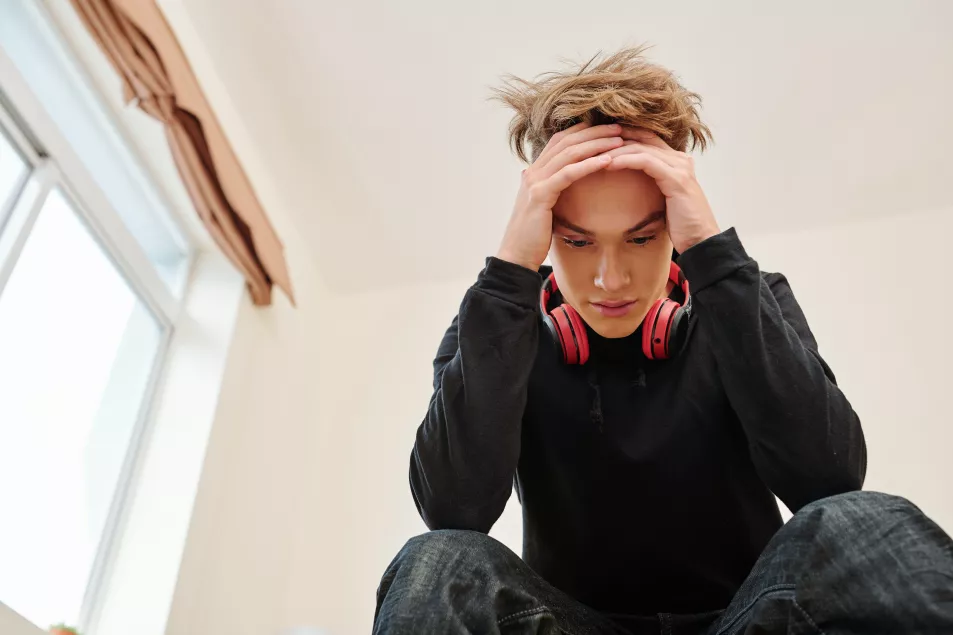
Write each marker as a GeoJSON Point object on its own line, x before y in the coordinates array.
{"type": "Point", "coordinates": [610, 201]}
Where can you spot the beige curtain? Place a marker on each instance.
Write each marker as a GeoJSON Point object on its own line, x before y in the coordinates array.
{"type": "Point", "coordinates": [138, 41]}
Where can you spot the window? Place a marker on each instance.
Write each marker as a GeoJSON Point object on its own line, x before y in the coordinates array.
{"type": "Point", "coordinates": [92, 275]}
{"type": "Point", "coordinates": [13, 170]}
{"type": "Point", "coordinates": [78, 349]}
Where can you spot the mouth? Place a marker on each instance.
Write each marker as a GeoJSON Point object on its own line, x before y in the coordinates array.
{"type": "Point", "coordinates": [613, 308]}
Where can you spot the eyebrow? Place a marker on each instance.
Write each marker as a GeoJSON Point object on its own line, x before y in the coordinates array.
{"type": "Point", "coordinates": [642, 224]}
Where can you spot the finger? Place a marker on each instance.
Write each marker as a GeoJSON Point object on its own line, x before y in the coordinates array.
{"type": "Point", "coordinates": [577, 137]}
{"type": "Point", "coordinates": [650, 164]}
{"type": "Point", "coordinates": [559, 136]}
{"type": "Point", "coordinates": [644, 136]}
{"type": "Point", "coordinates": [634, 147]}
{"type": "Point", "coordinates": [575, 171]}
{"type": "Point", "coordinates": [579, 152]}
{"type": "Point", "coordinates": [640, 135]}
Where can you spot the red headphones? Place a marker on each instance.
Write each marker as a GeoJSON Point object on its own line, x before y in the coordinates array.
{"type": "Point", "coordinates": [664, 329]}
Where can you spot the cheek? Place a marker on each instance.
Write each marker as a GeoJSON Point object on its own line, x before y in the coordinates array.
{"type": "Point", "coordinates": [571, 269]}
{"type": "Point", "coordinates": [655, 261]}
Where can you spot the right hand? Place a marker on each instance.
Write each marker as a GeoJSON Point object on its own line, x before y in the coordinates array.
{"type": "Point", "coordinates": [569, 156]}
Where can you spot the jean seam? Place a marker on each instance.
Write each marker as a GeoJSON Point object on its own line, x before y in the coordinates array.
{"type": "Point", "coordinates": [515, 616]}
{"type": "Point", "coordinates": [807, 617]}
{"type": "Point", "coordinates": [750, 605]}
{"type": "Point", "coordinates": [503, 621]}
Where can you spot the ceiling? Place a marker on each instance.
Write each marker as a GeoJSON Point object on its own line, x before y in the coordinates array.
{"type": "Point", "coordinates": [373, 115]}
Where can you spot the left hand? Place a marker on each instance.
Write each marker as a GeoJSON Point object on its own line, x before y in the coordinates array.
{"type": "Point", "coordinates": [690, 219]}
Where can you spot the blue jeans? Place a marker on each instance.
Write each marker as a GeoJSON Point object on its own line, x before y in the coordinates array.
{"type": "Point", "coordinates": [856, 563]}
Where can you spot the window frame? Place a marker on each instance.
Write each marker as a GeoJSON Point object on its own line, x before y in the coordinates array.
{"type": "Point", "coordinates": [52, 164]}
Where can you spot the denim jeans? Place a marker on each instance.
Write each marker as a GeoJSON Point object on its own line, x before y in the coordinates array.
{"type": "Point", "coordinates": [858, 563]}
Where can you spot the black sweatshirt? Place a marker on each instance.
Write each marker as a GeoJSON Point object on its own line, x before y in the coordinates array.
{"type": "Point", "coordinates": [646, 486]}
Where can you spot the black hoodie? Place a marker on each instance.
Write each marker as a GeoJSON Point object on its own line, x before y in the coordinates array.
{"type": "Point", "coordinates": [646, 486]}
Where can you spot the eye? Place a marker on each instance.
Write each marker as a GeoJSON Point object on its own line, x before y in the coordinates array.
{"type": "Point", "coordinates": [641, 241]}
{"type": "Point", "coordinates": [576, 244]}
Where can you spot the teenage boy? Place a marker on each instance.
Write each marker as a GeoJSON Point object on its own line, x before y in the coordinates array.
{"type": "Point", "coordinates": [647, 412]}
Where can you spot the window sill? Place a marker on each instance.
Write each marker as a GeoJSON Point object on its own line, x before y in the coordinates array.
{"type": "Point", "coordinates": [11, 623]}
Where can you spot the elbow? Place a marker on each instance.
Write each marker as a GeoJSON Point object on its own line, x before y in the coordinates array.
{"type": "Point", "coordinates": [848, 479]}
{"type": "Point", "coordinates": [440, 512]}
{"type": "Point", "coordinates": [822, 484]}
{"type": "Point", "coordinates": [845, 468]}
{"type": "Point", "coordinates": [443, 509]}
{"type": "Point", "coordinates": [437, 517]}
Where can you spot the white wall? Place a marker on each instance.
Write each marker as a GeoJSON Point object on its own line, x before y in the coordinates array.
{"type": "Point", "coordinates": [262, 467]}
{"type": "Point", "coordinates": [381, 384]}
{"type": "Point", "coordinates": [305, 496]}
{"type": "Point", "coordinates": [874, 295]}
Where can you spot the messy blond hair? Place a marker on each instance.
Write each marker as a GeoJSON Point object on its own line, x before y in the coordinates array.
{"type": "Point", "coordinates": [620, 88]}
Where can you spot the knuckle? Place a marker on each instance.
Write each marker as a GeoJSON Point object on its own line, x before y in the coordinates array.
{"type": "Point", "coordinates": [575, 153]}
{"type": "Point", "coordinates": [535, 192]}
{"type": "Point", "coordinates": [556, 145]}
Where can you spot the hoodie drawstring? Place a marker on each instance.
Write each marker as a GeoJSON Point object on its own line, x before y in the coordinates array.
{"type": "Point", "coordinates": [595, 411]}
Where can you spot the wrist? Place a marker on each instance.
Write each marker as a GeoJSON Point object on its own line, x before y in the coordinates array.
{"type": "Point", "coordinates": [697, 238]}
{"type": "Point", "coordinates": [713, 259]}
{"type": "Point", "coordinates": [515, 259]}
{"type": "Point", "coordinates": [511, 282]}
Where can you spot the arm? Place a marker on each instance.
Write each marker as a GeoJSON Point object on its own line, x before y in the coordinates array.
{"type": "Point", "coordinates": [805, 439]}
{"type": "Point", "coordinates": [464, 460]}
{"type": "Point", "coordinates": [467, 448]}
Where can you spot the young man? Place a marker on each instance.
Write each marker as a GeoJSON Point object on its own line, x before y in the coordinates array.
{"type": "Point", "coordinates": [647, 442]}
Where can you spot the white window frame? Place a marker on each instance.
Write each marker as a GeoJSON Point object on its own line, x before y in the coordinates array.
{"type": "Point", "coordinates": [53, 164]}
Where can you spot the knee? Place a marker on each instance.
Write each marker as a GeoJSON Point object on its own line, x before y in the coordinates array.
{"type": "Point", "coordinates": [435, 559]}
{"type": "Point", "coordinates": [871, 549]}
{"type": "Point", "coordinates": [853, 513]}
{"type": "Point", "coordinates": [859, 505]}
{"type": "Point", "coordinates": [463, 548]}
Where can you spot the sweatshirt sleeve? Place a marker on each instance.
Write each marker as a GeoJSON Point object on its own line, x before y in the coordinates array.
{"type": "Point", "coordinates": [805, 439]}
{"type": "Point", "coordinates": [467, 448]}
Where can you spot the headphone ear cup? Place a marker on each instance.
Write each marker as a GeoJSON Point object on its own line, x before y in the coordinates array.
{"type": "Point", "coordinates": [566, 339]}
{"type": "Point", "coordinates": [656, 329]}
{"type": "Point", "coordinates": [648, 329]}
{"type": "Point", "coordinates": [572, 334]}
{"type": "Point", "coordinates": [678, 331]}
{"type": "Point", "coordinates": [553, 332]}
{"type": "Point", "coordinates": [579, 330]}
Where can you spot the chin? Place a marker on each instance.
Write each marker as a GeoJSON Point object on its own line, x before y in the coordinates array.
{"type": "Point", "coordinates": [616, 327]}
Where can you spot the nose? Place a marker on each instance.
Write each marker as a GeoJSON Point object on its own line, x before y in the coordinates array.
{"type": "Point", "coordinates": [612, 276]}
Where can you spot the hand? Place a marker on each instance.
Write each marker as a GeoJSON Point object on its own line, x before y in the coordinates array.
{"type": "Point", "coordinates": [569, 156]}
{"type": "Point", "coordinates": [690, 219]}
